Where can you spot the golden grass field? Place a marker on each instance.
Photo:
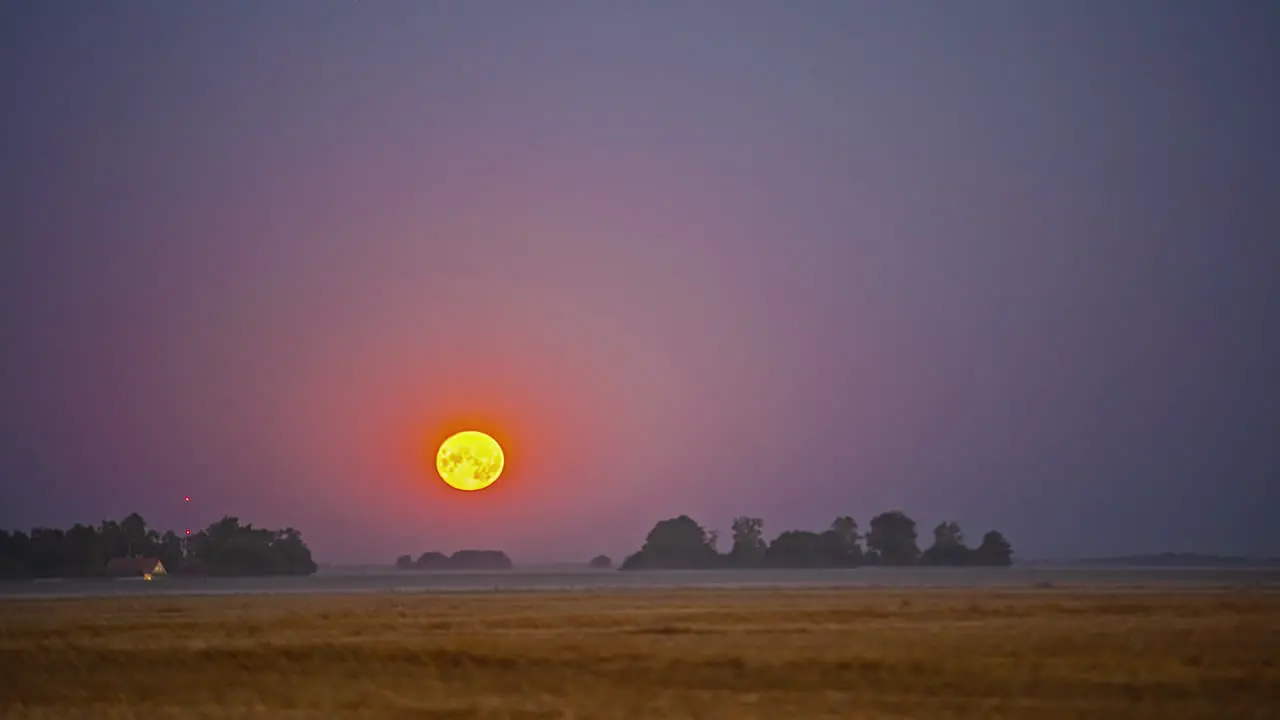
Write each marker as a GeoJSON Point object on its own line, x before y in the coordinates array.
{"type": "Point", "coordinates": [743, 654]}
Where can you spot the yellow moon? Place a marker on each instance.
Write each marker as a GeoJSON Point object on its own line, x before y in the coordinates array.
{"type": "Point", "coordinates": [470, 460]}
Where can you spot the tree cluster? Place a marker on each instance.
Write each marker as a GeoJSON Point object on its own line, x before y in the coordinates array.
{"type": "Point", "coordinates": [460, 560]}
{"type": "Point", "coordinates": [224, 548]}
{"type": "Point", "coordinates": [681, 543]}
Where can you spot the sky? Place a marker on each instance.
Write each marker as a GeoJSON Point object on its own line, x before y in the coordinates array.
{"type": "Point", "coordinates": [1012, 264]}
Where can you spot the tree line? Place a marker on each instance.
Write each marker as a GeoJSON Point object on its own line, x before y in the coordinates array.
{"type": "Point", "coordinates": [890, 539]}
{"type": "Point", "coordinates": [460, 560]}
{"type": "Point", "coordinates": [226, 547]}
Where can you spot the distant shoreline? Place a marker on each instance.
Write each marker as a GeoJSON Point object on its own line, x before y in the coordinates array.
{"type": "Point", "coordinates": [1183, 560]}
{"type": "Point", "coordinates": [1157, 560]}
{"type": "Point", "coordinates": [1166, 561]}
{"type": "Point", "coordinates": [895, 579]}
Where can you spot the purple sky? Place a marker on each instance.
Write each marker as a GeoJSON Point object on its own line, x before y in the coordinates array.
{"type": "Point", "coordinates": [1014, 264]}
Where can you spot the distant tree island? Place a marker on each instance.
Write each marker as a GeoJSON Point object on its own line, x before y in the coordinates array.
{"type": "Point", "coordinates": [460, 560]}
{"type": "Point", "coordinates": [682, 544]}
{"type": "Point", "coordinates": [225, 548]}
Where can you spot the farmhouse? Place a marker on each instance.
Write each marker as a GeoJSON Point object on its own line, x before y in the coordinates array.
{"type": "Point", "coordinates": [135, 567]}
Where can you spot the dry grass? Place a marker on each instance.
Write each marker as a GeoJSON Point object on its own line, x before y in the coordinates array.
{"type": "Point", "coordinates": [706, 654]}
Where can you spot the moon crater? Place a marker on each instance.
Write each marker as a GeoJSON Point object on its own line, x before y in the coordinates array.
{"type": "Point", "coordinates": [470, 460]}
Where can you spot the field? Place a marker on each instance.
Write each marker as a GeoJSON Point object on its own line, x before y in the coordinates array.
{"type": "Point", "coordinates": [740, 654]}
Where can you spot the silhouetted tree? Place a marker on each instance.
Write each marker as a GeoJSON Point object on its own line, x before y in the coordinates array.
{"type": "Point", "coordinates": [293, 554]}
{"type": "Point", "coordinates": [460, 560]}
{"type": "Point", "coordinates": [994, 550]}
{"type": "Point", "coordinates": [134, 531]}
{"type": "Point", "coordinates": [112, 539]}
{"type": "Point", "coordinates": [893, 538]}
{"type": "Point", "coordinates": [847, 528]}
{"type": "Point", "coordinates": [224, 548]}
{"type": "Point", "coordinates": [845, 550]}
{"type": "Point", "coordinates": [228, 548]}
{"type": "Point", "coordinates": [831, 551]}
{"type": "Point", "coordinates": [678, 543]}
{"type": "Point", "coordinates": [45, 553]}
{"type": "Point", "coordinates": [748, 542]}
{"type": "Point", "coordinates": [479, 560]}
{"type": "Point", "coordinates": [432, 561]}
{"type": "Point", "coordinates": [795, 549]}
{"type": "Point", "coordinates": [170, 551]}
{"type": "Point", "coordinates": [82, 550]}
{"type": "Point", "coordinates": [13, 554]}
{"type": "Point", "coordinates": [948, 546]}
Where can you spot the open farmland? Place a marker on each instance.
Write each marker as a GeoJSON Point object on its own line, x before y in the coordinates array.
{"type": "Point", "coordinates": [762, 653]}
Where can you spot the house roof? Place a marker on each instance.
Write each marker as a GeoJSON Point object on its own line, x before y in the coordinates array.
{"type": "Point", "coordinates": [133, 564]}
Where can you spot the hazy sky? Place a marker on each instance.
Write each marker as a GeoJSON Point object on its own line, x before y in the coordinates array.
{"type": "Point", "coordinates": [1011, 263]}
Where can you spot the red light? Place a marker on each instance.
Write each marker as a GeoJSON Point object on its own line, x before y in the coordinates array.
{"type": "Point", "coordinates": [188, 498]}
{"type": "Point", "coordinates": [188, 532]}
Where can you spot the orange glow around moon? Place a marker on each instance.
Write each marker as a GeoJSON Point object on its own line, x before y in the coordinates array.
{"type": "Point", "coordinates": [470, 460]}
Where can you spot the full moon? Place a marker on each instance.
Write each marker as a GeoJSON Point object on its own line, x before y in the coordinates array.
{"type": "Point", "coordinates": [469, 460]}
